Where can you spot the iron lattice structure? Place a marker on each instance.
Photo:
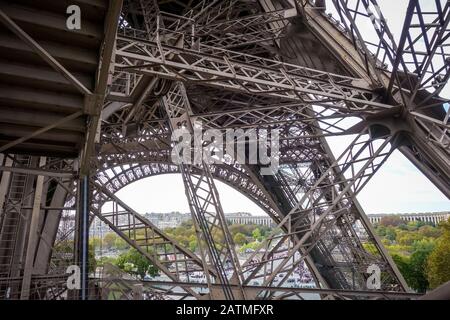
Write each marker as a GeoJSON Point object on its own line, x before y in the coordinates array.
{"type": "Point", "coordinates": [90, 120]}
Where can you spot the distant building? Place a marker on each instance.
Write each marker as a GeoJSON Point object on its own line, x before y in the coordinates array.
{"type": "Point", "coordinates": [160, 220]}
{"type": "Point", "coordinates": [175, 219]}
{"type": "Point", "coordinates": [247, 218]}
{"type": "Point", "coordinates": [168, 220]}
{"type": "Point", "coordinates": [429, 217]}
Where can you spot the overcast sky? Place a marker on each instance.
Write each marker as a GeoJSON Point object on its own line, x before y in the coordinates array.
{"type": "Point", "coordinates": [397, 188]}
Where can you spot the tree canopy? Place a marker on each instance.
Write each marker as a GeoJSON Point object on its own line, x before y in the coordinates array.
{"type": "Point", "coordinates": [439, 259]}
{"type": "Point", "coordinates": [133, 262]}
{"type": "Point", "coordinates": [421, 251]}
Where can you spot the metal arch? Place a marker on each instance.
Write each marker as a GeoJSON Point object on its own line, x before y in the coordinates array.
{"type": "Point", "coordinates": [231, 176]}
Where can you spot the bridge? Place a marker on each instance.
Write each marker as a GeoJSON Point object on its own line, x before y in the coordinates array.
{"type": "Point", "coordinates": [86, 111]}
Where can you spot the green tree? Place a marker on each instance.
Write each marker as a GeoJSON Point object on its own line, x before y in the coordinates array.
{"type": "Point", "coordinates": [104, 260]}
{"type": "Point", "coordinates": [430, 231]}
{"type": "Point", "coordinates": [414, 225]}
{"type": "Point", "coordinates": [403, 265]}
{"type": "Point", "coordinates": [391, 220]}
{"type": "Point", "coordinates": [381, 230]}
{"type": "Point", "coordinates": [418, 266]}
{"type": "Point", "coordinates": [64, 250]}
{"type": "Point", "coordinates": [135, 263]}
{"type": "Point", "coordinates": [391, 234]}
{"type": "Point", "coordinates": [109, 239]}
{"type": "Point", "coordinates": [193, 245]}
{"type": "Point", "coordinates": [408, 238]}
{"type": "Point", "coordinates": [439, 260]}
{"type": "Point", "coordinates": [256, 234]}
{"type": "Point", "coordinates": [120, 244]}
{"type": "Point", "coordinates": [238, 228]}
{"type": "Point", "coordinates": [251, 245]}
{"type": "Point", "coordinates": [239, 239]}
{"type": "Point", "coordinates": [95, 242]}
{"type": "Point", "coordinates": [424, 244]}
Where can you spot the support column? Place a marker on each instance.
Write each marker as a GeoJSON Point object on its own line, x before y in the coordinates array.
{"type": "Point", "coordinates": [82, 236]}
{"type": "Point", "coordinates": [32, 235]}
{"type": "Point", "coordinates": [4, 184]}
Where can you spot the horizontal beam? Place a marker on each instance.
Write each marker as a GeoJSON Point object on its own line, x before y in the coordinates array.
{"type": "Point", "coordinates": [244, 73]}
{"type": "Point", "coordinates": [40, 171]}
{"type": "Point", "coordinates": [42, 53]}
{"type": "Point", "coordinates": [42, 130]}
{"type": "Point", "coordinates": [247, 288]}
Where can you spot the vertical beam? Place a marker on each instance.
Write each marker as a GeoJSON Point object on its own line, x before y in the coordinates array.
{"type": "Point", "coordinates": [204, 203]}
{"type": "Point", "coordinates": [32, 235]}
{"type": "Point", "coordinates": [4, 183]}
{"type": "Point", "coordinates": [94, 102]}
{"type": "Point", "coordinates": [82, 234]}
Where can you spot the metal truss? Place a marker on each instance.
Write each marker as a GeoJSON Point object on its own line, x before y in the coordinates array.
{"type": "Point", "coordinates": [279, 292]}
{"type": "Point", "coordinates": [297, 144]}
{"type": "Point", "coordinates": [241, 115]}
{"type": "Point", "coordinates": [418, 61]}
{"type": "Point", "coordinates": [415, 71]}
{"type": "Point", "coordinates": [116, 178]}
{"type": "Point", "coordinates": [243, 31]}
{"type": "Point", "coordinates": [206, 210]}
{"type": "Point", "coordinates": [167, 255]}
{"type": "Point", "coordinates": [164, 251]}
{"type": "Point", "coordinates": [29, 222]}
{"type": "Point", "coordinates": [216, 109]}
{"type": "Point", "coordinates": [324, 219]}
{"type": "Point", "coordinates": [44, 287]}
{"type": "Point", "coordinates": [171, 258]}
{"type": "Point", "coordinates": [247, 74]}
{"type": "Point", "coordinates": [112, 283]}
{"type": "Point", "coordinates": [12, 220]}
{"type": "Point", "coordinates": [219, 63]}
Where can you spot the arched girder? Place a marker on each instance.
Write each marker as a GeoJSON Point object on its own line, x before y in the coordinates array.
{"type": "Point", "coordinates": [115, 178]}
{"type": "Point", "coordinates": [236, 178]}
{"type": "Point", "coordinates": [120, 176]}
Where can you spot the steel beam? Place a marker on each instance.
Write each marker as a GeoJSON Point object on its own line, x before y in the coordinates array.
{"type": "Point", "coordinates": [33, 235]}
{"type": "Point", "coordinates": [164, 252]}
{"type": "Point", "coordinates": [94, 102]}
{"type": "Point", "coordinates": [4, 184]}
{"type": "Point", "coordinates": [42, 53]}
{"type": "Point", "coordinates": [243, 73]}
{"type": "Point", "coordinates": [204, 203]}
